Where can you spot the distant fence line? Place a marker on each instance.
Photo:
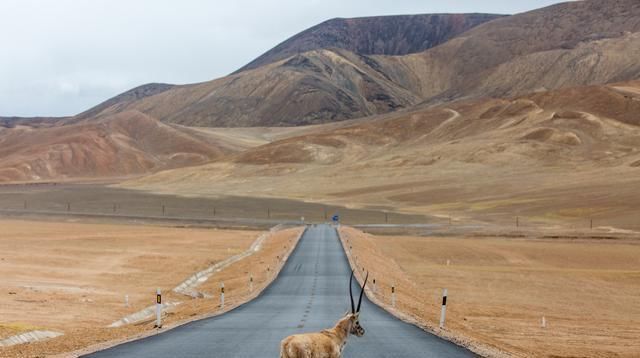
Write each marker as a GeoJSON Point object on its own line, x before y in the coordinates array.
{"type": "Point", "coordinates": [316, 214]}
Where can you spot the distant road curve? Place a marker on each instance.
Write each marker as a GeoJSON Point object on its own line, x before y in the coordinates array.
{"type": "Point", "coordinates": [310, 294]}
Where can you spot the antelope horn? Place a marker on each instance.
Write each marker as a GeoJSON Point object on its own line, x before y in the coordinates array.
{"type": "Point", "coordinates": [362, 292]}
{"type": "Point", "coordinates": [353, 307]}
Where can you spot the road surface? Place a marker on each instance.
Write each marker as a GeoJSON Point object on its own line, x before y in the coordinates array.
{"type": "Point", "coordinates": [310, 294]}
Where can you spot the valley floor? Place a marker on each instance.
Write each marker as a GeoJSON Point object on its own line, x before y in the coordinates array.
{"type": "Point", "coordinates": [499, 290]}
{"type": "Point", "coordinates": [77, 278]}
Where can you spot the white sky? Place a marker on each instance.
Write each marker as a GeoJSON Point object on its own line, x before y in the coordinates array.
{"type": "Point", "coordinates": [62, 57]}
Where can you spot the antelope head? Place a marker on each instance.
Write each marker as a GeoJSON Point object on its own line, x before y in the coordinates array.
{"type": "Point", "coordinates": [354, 316]}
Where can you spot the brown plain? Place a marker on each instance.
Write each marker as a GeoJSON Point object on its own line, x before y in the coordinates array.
{"type": "Point", "coordinates": [73, 278]}
{"type": "Point", "coordinates": [500, 288]}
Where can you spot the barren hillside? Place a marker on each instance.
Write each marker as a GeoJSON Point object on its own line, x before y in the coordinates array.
{"type": "Point", "coordinates": [315, 87]}
{"type": "Point", "coordinates": [565, 45]}
{"type": "Point", "coordinates": [552, 157]}
{"type": "Point", "coordinates": [128, 143]}
{"type": "Point", "coordinates": [378, 35]}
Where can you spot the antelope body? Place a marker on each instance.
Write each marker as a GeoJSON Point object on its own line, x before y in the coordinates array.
{"type": "Point", "coordinates": [327, 343]}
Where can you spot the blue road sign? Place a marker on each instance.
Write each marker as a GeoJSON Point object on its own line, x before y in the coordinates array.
{"type": "Point", "coordinates": [335, 218]}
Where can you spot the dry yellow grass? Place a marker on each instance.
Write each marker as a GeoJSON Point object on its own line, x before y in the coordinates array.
{"type": "Point", "coordinates": [499, 290]}
{"type": "Point", "coordinates": [72, 278]}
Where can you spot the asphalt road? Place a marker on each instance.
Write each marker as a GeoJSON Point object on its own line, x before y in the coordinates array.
{"type": "Point", "coordinates": [310, 294]}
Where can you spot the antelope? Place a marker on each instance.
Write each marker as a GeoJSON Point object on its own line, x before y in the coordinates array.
{"type": "Point", "coordinates": [327, 343]}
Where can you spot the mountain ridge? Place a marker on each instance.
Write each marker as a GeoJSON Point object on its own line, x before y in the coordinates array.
{"type": "Point", "coordinates": [388, 35]}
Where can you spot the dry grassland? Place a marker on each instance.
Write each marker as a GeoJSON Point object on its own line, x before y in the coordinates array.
{"type": "Point", "coordinates": [499, 290]}
{"type": "Point", "coordinates": [73, 278]}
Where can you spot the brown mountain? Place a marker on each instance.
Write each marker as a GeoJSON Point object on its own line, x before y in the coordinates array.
{"type": "Point", "coordinates": [569, 44]}
{"type": "Point", "coordinates": [559, 47]}
{"type": "Point", "coordinates": [315, 87]}
{"type": "Point", "coordinates": [120, 101]}
{"type": "Point", "coordinates": [564, 45]}
{"type": "Point", "coordinates": [379, 35]}
{"type": "Point", "coordinates": [125, 144]}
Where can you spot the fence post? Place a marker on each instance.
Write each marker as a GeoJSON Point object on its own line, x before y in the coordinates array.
{"type": "Point", "coordinates": [158, 308]}
{"type": "Point", "coordinates": [222, 295]}
{"type": "Point", "coordinates": [443, 312]}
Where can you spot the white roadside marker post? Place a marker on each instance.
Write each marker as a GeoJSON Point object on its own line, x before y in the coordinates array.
{"type": "Point", "coordinates": [126, 300]}
{"type": "Point", "coordinates": [251, 283]}
{"type": "Point", "coordinates": [393, 296]}
{"type": "Point", "coordinates": [374, 286]}
{"type": "Point", "coordinates": [544, 322]}
{"type": "Point", "coordinates": [443, 313]}
{"type": "Point", "coordinates": [158, 309]}
{"type": "Point", "coordinates": [222, 295]}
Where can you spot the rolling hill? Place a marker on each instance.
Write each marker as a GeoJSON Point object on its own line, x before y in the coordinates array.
{"type": "Point", "coordinates": [551, 157]}
{"type": "Point", "coordinates": [125, 144]}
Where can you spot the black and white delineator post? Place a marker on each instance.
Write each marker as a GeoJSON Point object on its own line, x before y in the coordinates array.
{"type": "Point", "coordinates": [393, 296]}
{"type": "Point", "coordinates": [158, 308]}
{"type": "Point", "coordinates": [443, 313]}
{"type": "Point", "coordinates": [222, 295]}
{"type": "Point", "coordinates": [251, 283]}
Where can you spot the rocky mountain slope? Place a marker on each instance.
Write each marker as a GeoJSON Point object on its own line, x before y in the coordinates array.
{"type": "Point", "coordinates": [569, 44]}
{"type": "Point", "coordinates": [564, 45]}
{"type": "Point", "coordinates": [378, 35]}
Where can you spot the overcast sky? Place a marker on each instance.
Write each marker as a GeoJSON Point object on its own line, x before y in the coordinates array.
{"type": "Point", "coordinates": [62, 57]}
